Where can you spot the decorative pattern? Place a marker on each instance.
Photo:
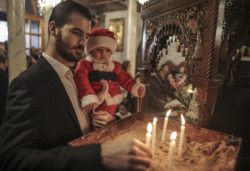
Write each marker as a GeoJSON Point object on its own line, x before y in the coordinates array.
{"type": "Point", "coordinates": [186, 24]}
{"type": "Point", "coordinates": [212, 32]}
{"type": "Point", "coordinates": [212, 38]}
{"type": "Point", "coordinates": [235, 27]}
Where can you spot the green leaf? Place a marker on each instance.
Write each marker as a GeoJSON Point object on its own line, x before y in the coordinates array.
{"type": "Point", "coordinates": [181, 100]}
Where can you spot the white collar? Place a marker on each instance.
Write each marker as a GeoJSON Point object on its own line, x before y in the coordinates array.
{"type": "Point", "coordinates": [60, 68]}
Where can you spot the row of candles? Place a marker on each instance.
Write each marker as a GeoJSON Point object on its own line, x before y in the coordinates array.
{"type": "Point", "coordinates": [149, 136]}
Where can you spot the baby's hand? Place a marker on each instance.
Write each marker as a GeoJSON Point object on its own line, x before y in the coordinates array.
{"type": "Point", "coordinates": [141, 92]}
{"type": "Point", "coordinates": [90, 108]}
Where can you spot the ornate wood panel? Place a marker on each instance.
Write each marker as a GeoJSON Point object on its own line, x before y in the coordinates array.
{"type": "Point", "coordinates": [212, 30]}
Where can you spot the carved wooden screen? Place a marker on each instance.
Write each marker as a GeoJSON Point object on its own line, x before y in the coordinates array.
{"type": "Point", "coordinates": [211, 30]}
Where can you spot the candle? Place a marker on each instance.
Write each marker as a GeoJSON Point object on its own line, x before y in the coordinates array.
{"type": "Point", "coordinates": [153, 136]}
{"type": "Point", "coordinates": [165, 126]}
{"type": "Point", "coordinates": [148, 134]}
{"type": "Point", "coordinates": [181, 136]}
{"type": "Point", "coordinates": [171, 150]}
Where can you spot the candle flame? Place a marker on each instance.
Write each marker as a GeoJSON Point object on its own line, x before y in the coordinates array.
{"type": "Point", "coordinates": [190, 91]}
{"type": "Point", "coordinates": [168, 113]}
{"type": "Point", "coordinates": [173, 135]}
{"type": "Point", "coordinates": [155, 119]}
{"type": "Point", "coordinates": [149, 128]}
{"type": "Point", "coordinates": [182, 120]}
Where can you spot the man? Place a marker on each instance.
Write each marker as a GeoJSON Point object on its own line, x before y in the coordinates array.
{"type": "Point", "coordinates": [159, 92]}
{"type": "Point", "coordinates": [3, 84]}
{"type": "Point", "coordinates": [43, 113]}
{"type": "Point", "coordinates": [2, 50]}
{"type": "Point", "coordinates": [34, 54]}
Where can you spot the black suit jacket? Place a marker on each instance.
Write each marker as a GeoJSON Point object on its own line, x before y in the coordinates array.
{"type": "Point", "coordinates": [3, 93]}
{"type": "Point", "coordinates": [157, 95]}
{"type": "Point", "coordinates": [39, 122]}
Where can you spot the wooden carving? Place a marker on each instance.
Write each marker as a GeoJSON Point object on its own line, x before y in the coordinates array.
{"type": "Point", "coordinates": [211, 30]}
{"type": "Point", "coordinates": [187, 24]}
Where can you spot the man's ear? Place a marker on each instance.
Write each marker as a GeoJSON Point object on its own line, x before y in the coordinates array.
{"type": "Point", "coordinates": [52, 28]}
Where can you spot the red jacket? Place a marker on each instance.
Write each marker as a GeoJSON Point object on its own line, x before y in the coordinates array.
{"type": "Point", "coordinates": [105, 93]}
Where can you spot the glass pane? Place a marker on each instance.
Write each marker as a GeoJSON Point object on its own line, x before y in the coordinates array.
{"type": "Point", "coordinates": [3, 31]}
{"type": "Point", "coordinates": [27, 52]}
{"type": "Point", "coordinates": [35, 41]}
{"type": "Point", "coordinates": [35, 27]}
{"type": "Point", "coordinates": [27, 41]}
{"type": "Point", "coordinates": [27, 28]}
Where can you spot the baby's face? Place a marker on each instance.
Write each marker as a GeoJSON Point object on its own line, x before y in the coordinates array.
{"type": "Point", "coordinates": [122, 109]}
{"type": "Point", "coordinates": [101, 54]}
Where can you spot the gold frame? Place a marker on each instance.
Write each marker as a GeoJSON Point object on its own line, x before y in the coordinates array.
{"type": "Point", "coordinates": [117, 26]}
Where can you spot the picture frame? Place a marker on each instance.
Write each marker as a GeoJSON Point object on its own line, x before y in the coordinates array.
{"type": "Point", "coordinates": [117, 26]}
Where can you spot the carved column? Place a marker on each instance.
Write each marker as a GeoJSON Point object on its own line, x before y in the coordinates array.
{"type": "Point", "coordinates": [206, 96]}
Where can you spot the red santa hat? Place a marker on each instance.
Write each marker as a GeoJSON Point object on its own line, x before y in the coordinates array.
{"type": "Point", "coordinates": [100, 37]}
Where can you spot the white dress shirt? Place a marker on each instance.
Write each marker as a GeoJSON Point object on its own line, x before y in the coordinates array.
{"type": "Point", "coordinates": [67, 79]}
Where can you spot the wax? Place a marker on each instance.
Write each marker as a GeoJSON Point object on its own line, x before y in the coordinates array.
{"type": "Point", "coordinates": [165, 126]}
{"type": "Point", "coordinates": [181, 136]}
{"type": "Point", "coordinates": [148, 134]}
{"type": "Point", "coordinates": [153, 136]}
{"type": "Point", "coordinates": [171, 151]}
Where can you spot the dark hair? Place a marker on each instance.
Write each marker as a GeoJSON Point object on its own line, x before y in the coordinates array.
{"type": "Point", "coordinates": [125, 64]}
{"type": "Point", "coordinates": [125, 103]}
{"type": "Point", "coordinates": [62, 11]}
{"type": "Point", "coordinates": [182, 64]}
{"type": "Point", "coordinates": [3, 58]}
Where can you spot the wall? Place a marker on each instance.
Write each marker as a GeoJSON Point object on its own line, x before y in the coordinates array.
{"type": "Point", "coordinates": [173, 55]}
{"type": "Point", "coordinates": [121, 56]}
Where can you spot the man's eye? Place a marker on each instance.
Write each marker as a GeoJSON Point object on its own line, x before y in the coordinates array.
{"type": "Point", "coordinates": [77, 33]}
{"type": "Point", "coordinates": [87, 36]}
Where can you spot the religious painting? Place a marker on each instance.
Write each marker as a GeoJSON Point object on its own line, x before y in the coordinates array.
{"type": "Point", "coordinates": [117, 26]}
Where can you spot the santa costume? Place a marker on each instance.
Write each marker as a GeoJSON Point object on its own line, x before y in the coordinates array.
{"type": "Point", "coordinates": [99, 82]}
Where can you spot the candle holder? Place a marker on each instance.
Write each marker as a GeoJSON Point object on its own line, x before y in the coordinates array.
{"type": "Point", "coordinates": [137, 123]}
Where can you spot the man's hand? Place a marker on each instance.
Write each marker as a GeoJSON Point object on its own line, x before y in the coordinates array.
{"type": "Point", "coordinates": [101, 118]}
{"type": "Point", "coordinates": [141, 92]}
{"type": "Point", "coordinates": [90, 108]}
{"type": "Point", "coordinates": [131, 154]}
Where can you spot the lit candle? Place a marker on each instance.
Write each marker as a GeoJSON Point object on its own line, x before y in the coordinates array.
{"type": "Point", "coordinates": [171, 151]}
{"type": "Point", "coordinates": [148, 134]}
{"type": "Point", "coordinates": [181, 136]}
{"type": "Point", "coordinates": [165, 126]}
{"type": "Point", "coordinates": [153, 136]}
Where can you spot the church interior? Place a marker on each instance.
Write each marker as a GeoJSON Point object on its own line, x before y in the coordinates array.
{"type": "Point", "coordinates": [193, 57]}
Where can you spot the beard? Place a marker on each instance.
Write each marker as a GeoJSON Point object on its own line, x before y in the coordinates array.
{"type": "Point", "coordinates": [62, 48]}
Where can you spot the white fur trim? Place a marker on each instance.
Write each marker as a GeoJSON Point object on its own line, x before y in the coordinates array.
{"type": "Point", "coordinates": [102, 94]}
{"type": "Point", "coordinates": [97, 41]}
{"type": "Point", "coordinates": [117, 99]}
{"type": "Point", "coordinates": [88, 99]}
{"type": "Point", "coordinates": [106, 66]}
{"type": "Point", "coordinates": [109, 66]}
{"type": "Point", "coordinates": [136, 86]}
{"type": "Point", "coordinates": [105, 96]}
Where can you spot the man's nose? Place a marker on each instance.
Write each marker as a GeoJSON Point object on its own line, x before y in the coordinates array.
{"type": "Point", "coordinates": [83, 41]}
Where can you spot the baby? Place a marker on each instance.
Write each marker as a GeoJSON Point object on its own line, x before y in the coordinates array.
{"type": "Point", "coordinates": [98, 78]}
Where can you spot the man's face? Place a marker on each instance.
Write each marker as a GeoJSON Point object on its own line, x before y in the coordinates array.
{"type": "Point", "coordinates": [3, 66]}
{"type": "Point", "coordinates": [166, 69]}
{"type": "Point", "coordinates": [33, 51]}
{"type": "Point", "coordinates": [71, 38]}
{"type": "Point", "coordinates": [101, 54]}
